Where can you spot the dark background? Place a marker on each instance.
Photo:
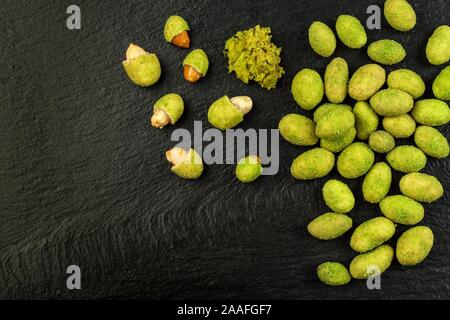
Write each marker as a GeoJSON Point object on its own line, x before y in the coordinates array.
{"type": "Point", "coordinates": [84, 180]}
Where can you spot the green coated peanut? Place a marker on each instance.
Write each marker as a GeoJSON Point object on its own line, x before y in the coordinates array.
{"type": "Point", "coordinates": [400, 15]}
{"type": "Point", "coordinates": [174, 26]}
{"type": "Point", "coordinates": [321, 39]}
{"type": "Point", "coordinates": [336, 80]}
{"type": "Point", "coordinates": [226, 113]}
{"type": "Point", "coordinates": [441, 85]}
{"type": "Point", "coordinates": [335, 123]}
{"type": "Point", "coordinates": [406, 159]}
{"type": "Point", "coordinates": [186, 164]}
{"type": "Point", "coordinates": [333, 274]}
{"type": "Point", "coordinates": [402, 210]}
{"type": "Point", "coordinates": [329, 226]}
{"type": "Point", "coordinates": [391, 102]}
{"type": "Point", "coordinates": [168, 109]}
{"type": "Point", "coordinates": [351, 32]}
{"type": "Point", "coordinates": [340, 143]}
{"type": "Point", "coordinates": [431, 142]}
{"type": "Point", "coordinates": [338, 196]}
{"type": "Point", "coordinates": [307, 88]}
{"type": "Point", "coordinates": [142, 68]}
{"type": "Point", "coordinates": [431, 112]}
{"type": "Point", "coordinates": [298, 130]}
{"type": "Point", "coordinates": [377, 182]}
{"type": "Point", "coordinates": [312, 164]}
{"type": "Point", "coordinates": [366, 81]}
{"type": "Point", "coordinates": [248, 169]}
{"type": "Point", "coordinates": [362, 265]}
{"type": "Point", "coordinates": [198, 60]}
{"type": "Point", "coordinates": [326, 107]}
{"type": "Point", "coordinates": [366, 120]}
{"type": "Point", "coordinates": [407, 81]}
{"type": "Point", "coordinates": [382, 142]}
{"type": "Point", "coordinates": [414, 245]}
{"type": "Point", "coordinates": [386, 52]}
{"type": "Point", "coordinates": [421, 187]}
{"type": "Point", "coordinates": [402, 126]}
{"type": "Point", "coordinates": [355, 160]}
{"type": "Point", "coordinates": [438, 46]}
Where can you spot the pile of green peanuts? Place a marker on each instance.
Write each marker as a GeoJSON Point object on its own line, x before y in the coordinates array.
{"type": "Point", "coordinates": [402, 113]}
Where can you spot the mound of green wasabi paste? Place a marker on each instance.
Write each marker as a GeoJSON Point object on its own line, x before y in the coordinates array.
{"type": "Point", "coordinates": [252, 56]}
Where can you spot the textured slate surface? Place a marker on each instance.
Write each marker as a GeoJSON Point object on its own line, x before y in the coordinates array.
{"type": "Point", "coordinates": [83, 178]}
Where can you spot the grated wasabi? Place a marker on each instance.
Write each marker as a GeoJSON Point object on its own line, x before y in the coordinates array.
{"type": "Point", "coordinates": [252, 56]}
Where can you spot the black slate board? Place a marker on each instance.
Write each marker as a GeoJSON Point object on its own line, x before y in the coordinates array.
{"type": "Point", "coordinates": [83, 178]}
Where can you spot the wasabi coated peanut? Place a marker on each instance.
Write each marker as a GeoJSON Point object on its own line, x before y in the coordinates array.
{"type": "Point", "coordinates": [312, 164]}
{"type": "Point", "coordinates": [195, 65]}
{"type": "Point", "coordinates": [431, 142]}
{"type": "Point", "coordinates": [329, 226]}
{"type": "Point", "coordinates": [252, 55]}
{"type": "Point", "coordinates": [382, 142]}
{"type": "Point", "coordinates": [377, 183]}
{"type": "Point", "coordinates": [142, 68]}
{"type": "Point", "coordinates": [370, 234]}
{"type": "Point", "coordinates": [186, 164]}
{"type": "Point", "coordinates": [351, 32]}
{"type": "Point", "coordinates": [402, 210]}
{"type": "Point", "coordinates": [414, 245]}
{"type": "Point", "coordinates": [248, 169]}
{"type": "Point", "coordinates": [338, 196]}
{"type": "Point", "coordinates": [386, 52]}
{"type": "Point", "coordinates": [176, 32]}
{"type": "Point", "coordinates": [366, 120]}
{"type": "Point", "coordinates": [333, 274]}
{"type": "Point", "coordinates": [355, 160]}
{"type": "Point", "coordinates": [400, 14]}
{"type": "Point", "coordinates": [441, 85]}
{"type": "Point", "coordinates": [335, 123]}
{"type": "Point", "coordinates": [226, 113]}
{"type": "Point", "coordinates": [421, 187]}
{"type": "Point", "coordinates": [431, 112]}
{"type": "Point", "coordinates": [407, 81]}
{"type": "Point", "coordinates": [438, 46]}
{"type": "Point", "coordinates": [168, 109]}
{"type": "Point", "coordinates": [402, 126]}
{"type": "Point", "coordinates": [336, 80]}
{"type": "Point", "coordinates": [362, 265]}
{"type": "Point", "coordinates": [326, 107]}
{"type": "Point", "coordinates": [406, 159]}
{"type": "Point", "coordinates": [307, 88]}
{"type": "Point", "coordinates": [366, 81]}
{"type": "Point", "coordinates": [321, 39]}
{"type": "Point", "coordinates": [340, 143]}
{"type": "Point", "coordinates": [298, 130]}
{"type": "Point", "coordinates": [391, 102]}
